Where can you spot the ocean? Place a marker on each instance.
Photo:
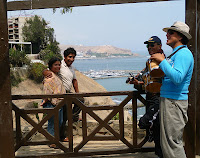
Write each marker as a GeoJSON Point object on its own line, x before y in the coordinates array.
{"type": "Point", "coordinates": [129, 63]}
{"type": "Point", "coordinates": [112, 73]}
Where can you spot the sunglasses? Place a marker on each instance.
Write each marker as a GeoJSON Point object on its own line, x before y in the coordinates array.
{"type": "Point", "coordinates": [150, 45]}
{"type": "Point", "coordinates": [171, 32]}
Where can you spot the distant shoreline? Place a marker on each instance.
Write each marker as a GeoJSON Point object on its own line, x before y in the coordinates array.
{"type": "Point", "coordinates": [79, 58]}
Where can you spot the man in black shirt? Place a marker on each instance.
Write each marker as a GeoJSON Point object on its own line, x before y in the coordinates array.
{"type": "Point", "coordinates": [149, 79]}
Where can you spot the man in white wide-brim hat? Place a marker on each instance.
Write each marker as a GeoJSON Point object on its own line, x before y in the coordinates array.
{"type": "Point", "coordinates": [178, 69]}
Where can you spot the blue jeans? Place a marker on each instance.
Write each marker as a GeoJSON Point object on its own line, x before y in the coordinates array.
{"type": "Point", "coordinates": [50, 127]}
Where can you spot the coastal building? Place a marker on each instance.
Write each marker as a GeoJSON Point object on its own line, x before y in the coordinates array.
{"type": "Point", "coordinates": [15, 25]}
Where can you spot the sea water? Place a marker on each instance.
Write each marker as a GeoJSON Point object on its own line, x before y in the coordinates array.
{"type": "Point", "coordinates": [130, 63]}
{"type": "Point", "coordinates": [118, 84]}
{"type": "Point", "coordinates": [113, 83]}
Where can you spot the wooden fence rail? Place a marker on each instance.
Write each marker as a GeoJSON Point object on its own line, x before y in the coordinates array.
{"type": "Point", "coordinates": [68, 99]}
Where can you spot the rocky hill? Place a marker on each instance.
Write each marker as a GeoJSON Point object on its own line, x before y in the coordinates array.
{"type": "Point", "coordinates": [86, 84]}
{"type": "Point", "coordinates": [110, 50]}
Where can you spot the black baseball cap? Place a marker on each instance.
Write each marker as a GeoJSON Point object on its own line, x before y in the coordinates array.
{"type": "Point", "coordinates": [153, 39]}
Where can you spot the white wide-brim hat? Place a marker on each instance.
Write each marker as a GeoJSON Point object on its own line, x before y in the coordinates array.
{"type": "Point", "coordinates": [180, 27]}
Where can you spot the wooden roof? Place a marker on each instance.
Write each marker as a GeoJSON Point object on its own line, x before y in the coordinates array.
{"type": "Point", "coordinates": [42, 4]}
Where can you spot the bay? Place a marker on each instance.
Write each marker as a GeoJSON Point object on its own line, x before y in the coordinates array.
{"type": "Point", "coordinates": [111, 83]}
{"type": "Point", "coordinates": [118, 84]}
{"type": "Point", "coordinates": [131, 63]}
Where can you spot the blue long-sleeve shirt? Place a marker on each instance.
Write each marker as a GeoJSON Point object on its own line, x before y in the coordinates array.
{"type": "Point", "coordinates": [178, 73]}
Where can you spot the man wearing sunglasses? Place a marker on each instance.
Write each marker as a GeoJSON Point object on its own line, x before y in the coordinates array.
{"type": "Point", "coordinates": [178, 69]}
{"type": "Point", "coordinates": [150, 120]}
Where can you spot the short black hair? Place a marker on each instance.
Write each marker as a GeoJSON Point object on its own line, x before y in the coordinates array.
{"type": "Point", "coordinates": [52, 61]}
{"type": "Point", "coordinates": [68, 51]}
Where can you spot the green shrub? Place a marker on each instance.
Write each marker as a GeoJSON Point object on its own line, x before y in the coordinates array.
{"type": "Point", "coordinates": [95, 103]}
{"type": "Point", "coordinates": [15, 79]}
{"type": "Point", "coordinates": [116, 117]}
{"type": "Point", "coordinates": [47, 54]}
{"type": "Point", "coordinates": [35, 105]}
{"type": "Point", "coordinates": [35, 72]}
{"type": "Point", "coordinates": [18, 58]}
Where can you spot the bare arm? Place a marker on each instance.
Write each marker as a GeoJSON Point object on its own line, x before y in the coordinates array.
{"type": "Point", "coordinates": [75, 85]}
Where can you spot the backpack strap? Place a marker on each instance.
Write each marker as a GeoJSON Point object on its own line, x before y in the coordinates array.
{"type": "Point", "coordinates": [175, 52]}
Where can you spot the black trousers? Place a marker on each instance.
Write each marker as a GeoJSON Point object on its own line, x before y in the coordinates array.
{"type": "Point", "coordinates": [156, 137]}
{"type": "Point", "coordinates": [148, 121]}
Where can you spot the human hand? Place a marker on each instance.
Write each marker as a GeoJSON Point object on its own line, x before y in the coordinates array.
{"type": "Point", "coordinates": [47, 73]}
{"type": "Point", "coordinates": [157, 57]}
{"type": "Point", "coordinates": [135, 82]}
{"type": "Point", "coordinates": [43, 102]}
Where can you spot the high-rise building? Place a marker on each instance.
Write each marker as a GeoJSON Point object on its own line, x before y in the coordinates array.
{"type": "Point", "coordinates": [15, 25]}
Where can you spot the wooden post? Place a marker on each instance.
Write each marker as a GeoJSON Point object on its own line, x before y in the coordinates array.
{"type": "Point", "coordinates": [6, 129]}
{"type": "Point", "coordinates": [198, 82]}
{"type": "Point", "coordinates": [134, 116]}
{"type": "Point", "coordinates": [192, 130]}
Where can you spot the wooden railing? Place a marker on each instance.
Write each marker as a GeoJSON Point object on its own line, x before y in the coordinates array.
{"type": "Point", "coordinates": [102, 123]}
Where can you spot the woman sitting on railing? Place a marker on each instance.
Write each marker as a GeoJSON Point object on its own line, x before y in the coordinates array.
{"type": "Point", "coordinates": [53, 85]}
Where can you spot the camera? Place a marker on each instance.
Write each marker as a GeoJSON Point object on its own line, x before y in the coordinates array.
{"type": "Point", "coordinates": [131, 78]}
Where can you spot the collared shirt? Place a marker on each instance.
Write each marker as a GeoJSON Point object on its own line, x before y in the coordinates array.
{"type": "Point", "coordinates": [67, 74]}
{"type": "Point", "coordinates": [53, 85]}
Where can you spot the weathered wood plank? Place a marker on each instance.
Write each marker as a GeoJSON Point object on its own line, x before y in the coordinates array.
{"type": "Point", "coordinates": [91, 136]}
{"type": "Point", "coordinates": [101, 124]}
{"type": "Point", "coordinates": [38, 127]}
{"type": "Point", "coordinates": [192, 19]}
{"type": "Point", "coordinates": [56, 126]}
{"type": "Point", "coordinates": [18, 127]}
{"type": "Point", "coordinates": [42, 4]}
{"type": "Point", "coordinates": [140, 98]}
{"type": "Point", "coordinates": [75, 95]}
{"type": "Point", "coordinates": [70, 122]}
{"type": "Point", "coordinates": [6, 132]}
{"type": "Point", "coordinates": [143, 142]}
{"type": "Point", "coordinates": [121, 122]}
{"type": "Point", "coordinates": [134, 116]}
{"type": "Point", "coordinates": [198, 82]}
{"type": "Point", "coordinates": [84, 124]}
{"type": "Point", "coordinates": [102, 107]}
{"type": "Point", "coordinates": [35, 111]}
{"type": "Point", "coordinates": [103, 138]}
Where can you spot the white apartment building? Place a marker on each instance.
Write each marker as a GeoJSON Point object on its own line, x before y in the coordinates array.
{"type": "Point", "coordinates": [15, 25]}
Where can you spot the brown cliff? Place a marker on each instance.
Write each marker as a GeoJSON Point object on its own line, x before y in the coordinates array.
{"type": "Point", "coordinates": [86, 84]}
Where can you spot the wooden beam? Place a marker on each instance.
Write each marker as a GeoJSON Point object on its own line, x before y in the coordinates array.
{"type": "Point", "coordinates": [6, 128]}
{"type": "Point", "coordinates": [42, 4]}
{"type": "Point", "coordinates": [198, 81]}
{"type": "Point", "coordinates": [192, 128]}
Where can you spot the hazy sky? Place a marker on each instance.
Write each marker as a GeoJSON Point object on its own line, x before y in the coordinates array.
{"type": "Point", "coordinates": [121, 25]}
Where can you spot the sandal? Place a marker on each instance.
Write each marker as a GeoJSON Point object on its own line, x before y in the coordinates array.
{"type": "Point", "coordinates": [65, 139]}
{"type": "Point", "coordinates": [53, 146]}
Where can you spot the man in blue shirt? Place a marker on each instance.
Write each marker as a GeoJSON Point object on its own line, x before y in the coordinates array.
{"type": "Point", "coordinates": [178, 68]}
